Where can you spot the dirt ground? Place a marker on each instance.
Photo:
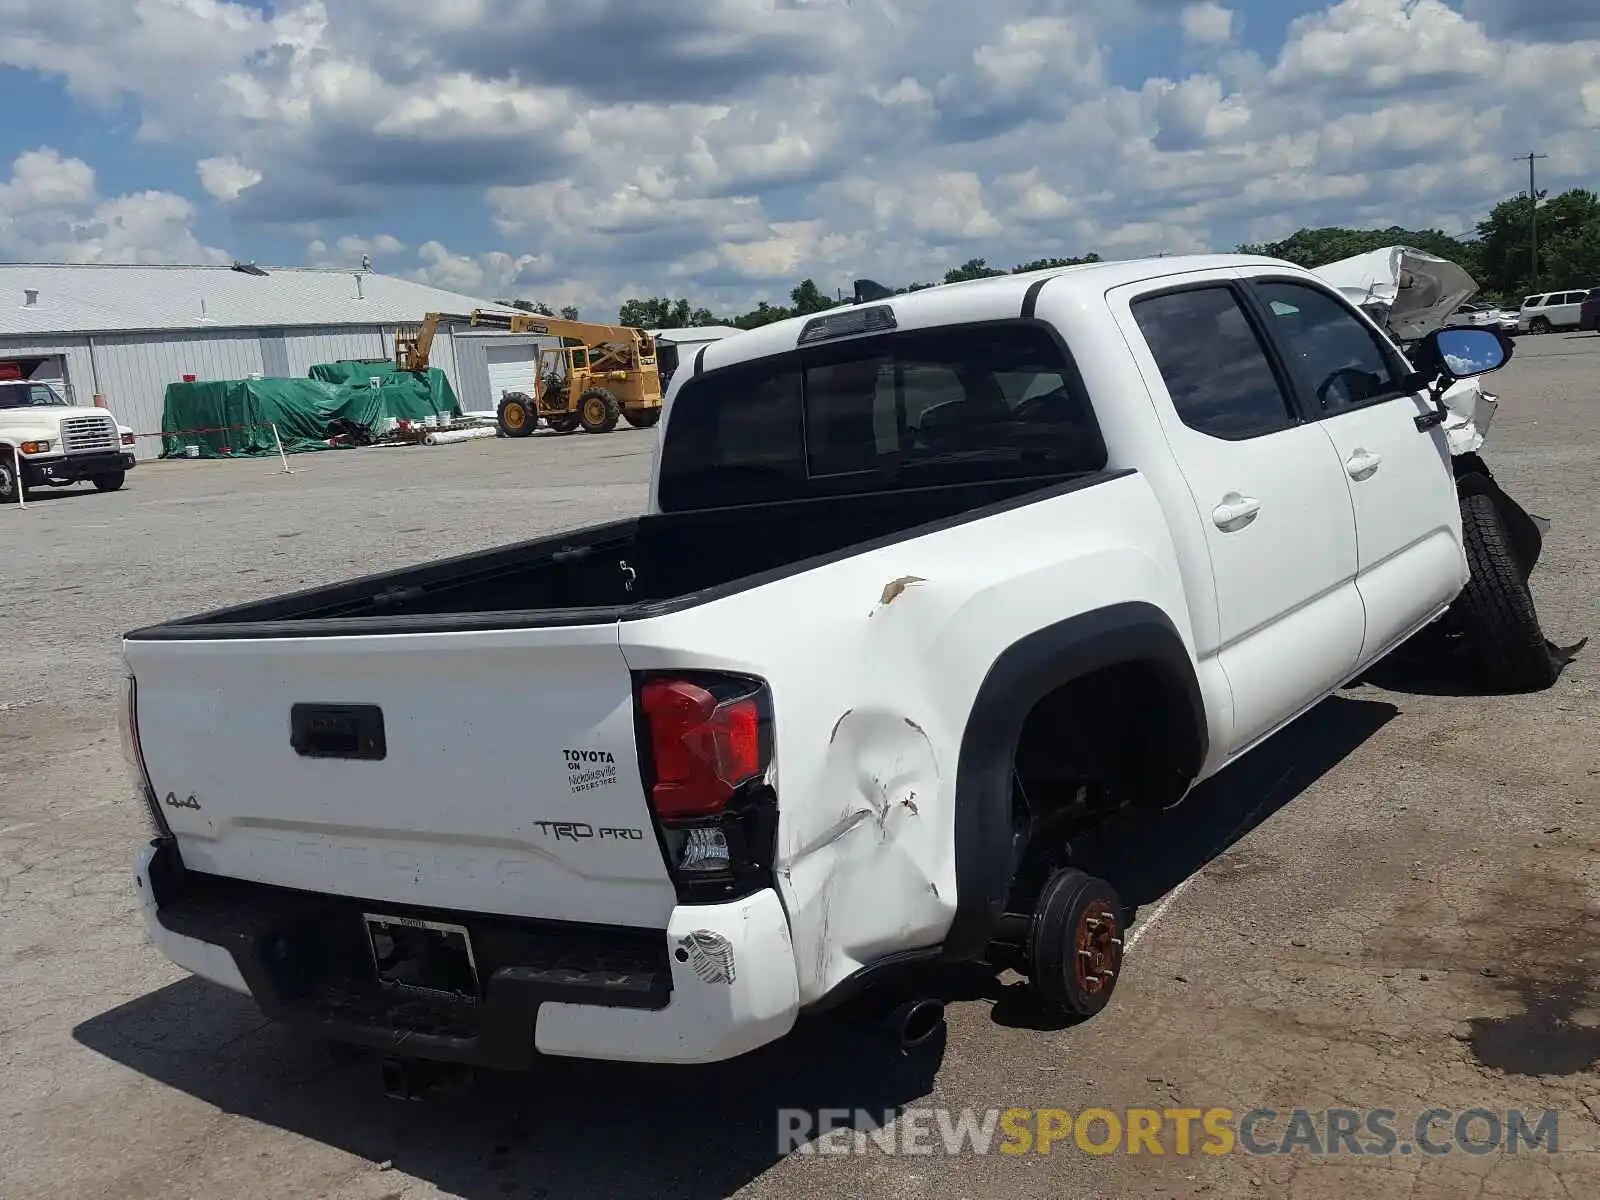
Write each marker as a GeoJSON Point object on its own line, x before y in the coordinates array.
{"type": "Point", "coordinates": [1394, 905]}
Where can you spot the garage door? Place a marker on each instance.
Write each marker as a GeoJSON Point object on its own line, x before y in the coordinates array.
{"type": "Point", "coordinates": [512, 369]}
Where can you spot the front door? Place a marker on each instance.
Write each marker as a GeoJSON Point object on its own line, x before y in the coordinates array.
{"type": "Point", "coordinates": [1402, 488]}
{"type": "Point", "coordinates": [1271, 500]}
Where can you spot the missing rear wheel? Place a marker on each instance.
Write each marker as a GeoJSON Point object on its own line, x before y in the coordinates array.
{"type": "Point", "coordinates": [1075, 944]}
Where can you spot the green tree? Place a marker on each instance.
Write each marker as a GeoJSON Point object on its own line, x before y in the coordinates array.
{"type": "Point", "coordinates": [1574, 257]}
{"type": "Point", "coordinates": [808, 298]}
{"type": "Point", "coordinates": [1040, 264]}
{"type": "Point", "coordinates": [662, 313]}
{"type": "Point", "coordinates": [1568, 228]}
{"type": "Point", "coordinates": [973, 268]}
{"type": "Point", "coordinates": [531, 306]}
{"type": "Point", "coordinates": [762, 314]}
{"type": "Point", "coordinates": [569, 312]}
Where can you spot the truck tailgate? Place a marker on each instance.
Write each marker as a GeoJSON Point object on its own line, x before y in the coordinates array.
{"type": "Point", "coordinates": [490, 771]}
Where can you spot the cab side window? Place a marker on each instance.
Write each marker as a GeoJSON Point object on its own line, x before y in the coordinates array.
{"type": "Point", "coordinates": [1215, 367]}
{"type": "Point", "coordinates": [1339, 358]}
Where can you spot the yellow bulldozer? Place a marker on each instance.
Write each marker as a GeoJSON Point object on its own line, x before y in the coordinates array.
{"type": "Point", "coordinates": [597, 374]}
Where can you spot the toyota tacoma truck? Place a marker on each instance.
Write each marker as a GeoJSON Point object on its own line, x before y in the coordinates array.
{"type": "Point", "coordinates": [44, 441]}
{"type": "Point", "coordinates": [926, 587]}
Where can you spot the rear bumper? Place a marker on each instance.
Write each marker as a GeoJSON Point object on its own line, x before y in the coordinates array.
{"type": "Point", "coordinates": [718, 982]}
{"type": "Point", "coordinates": [75, 468]}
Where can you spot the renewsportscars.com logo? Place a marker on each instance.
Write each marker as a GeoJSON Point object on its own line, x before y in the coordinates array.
{"type": "Point", "coordinates": [1180, 1132]}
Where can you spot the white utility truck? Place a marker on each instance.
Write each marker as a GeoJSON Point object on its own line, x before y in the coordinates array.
{"type": "Point", "coordinates": [927, 586]}
{"type": "Point", "coordinates": [46, 442]}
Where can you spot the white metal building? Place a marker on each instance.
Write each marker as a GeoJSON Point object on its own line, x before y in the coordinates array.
{"type": "Point", "coordinates": [125, 332]}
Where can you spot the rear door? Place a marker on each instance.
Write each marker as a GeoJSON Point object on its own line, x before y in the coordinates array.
{"type": "Point", "coordinates": [1270, 494]}
{"type": "Point", "coordinates": [1349, 378]}
{"type": "Point", "coordinates": [1566, 308]}
{"type": "Point", "coordinates": [486, 771]}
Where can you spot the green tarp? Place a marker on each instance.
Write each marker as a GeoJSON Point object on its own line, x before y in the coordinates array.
{"type": "Point", "coordinates": [235, 418]}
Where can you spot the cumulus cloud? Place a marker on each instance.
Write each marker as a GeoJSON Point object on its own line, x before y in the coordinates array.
{"type": "Point", "coordinates": [50, 211]}
{"type": "Point", "coordinates": [1387, 46]}
{"type": "Point", "coordinates": [382, 250]}
{"type": "Point", "coordinates": [473, 274]}
{"type": "Point", "coordinates": [575, 151]}
{"type": "Point", "coordinates": [224, 178]}
{"type": "Point", "coordinates": [1207, 23]}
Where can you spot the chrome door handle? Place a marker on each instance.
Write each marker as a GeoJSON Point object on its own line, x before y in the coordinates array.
{"type": "Point", "coordinates": [1363, 464]}
{"type": "Point", "coordinates": [1235, 511]}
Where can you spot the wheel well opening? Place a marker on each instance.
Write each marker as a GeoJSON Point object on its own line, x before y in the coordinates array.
{"type": "Point", "coordinates": [1118, 738]}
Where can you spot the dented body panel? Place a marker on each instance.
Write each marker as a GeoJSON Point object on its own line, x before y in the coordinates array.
{"type": "Point", "coordinates": [869, 733]}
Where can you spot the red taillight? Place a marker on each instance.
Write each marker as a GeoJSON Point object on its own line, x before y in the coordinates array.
{"type": "Point", "coordinates": [703, 749]}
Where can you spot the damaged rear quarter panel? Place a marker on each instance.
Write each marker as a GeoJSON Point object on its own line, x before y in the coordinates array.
{"type": "Point", "coordinates": [874, 662]}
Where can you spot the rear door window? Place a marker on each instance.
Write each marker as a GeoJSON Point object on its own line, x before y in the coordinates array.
{"type": "Point", "coordinates": [1213, 363]}
{"type": "Point", "coordinates": [955, 404]}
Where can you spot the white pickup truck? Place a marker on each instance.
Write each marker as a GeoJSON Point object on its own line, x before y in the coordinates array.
{"type": "Point", "coordinates": [44, 441]}
{"type": "Point", "coordinates": [927, 586]}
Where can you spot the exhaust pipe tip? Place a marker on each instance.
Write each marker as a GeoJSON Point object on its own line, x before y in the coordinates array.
{"type": "Point", "coordinates": [917, 1022]}
{"type": "Point", "coordinates": [400, 1080]}
{"type": "Point", "coordinates": [419, 1079]}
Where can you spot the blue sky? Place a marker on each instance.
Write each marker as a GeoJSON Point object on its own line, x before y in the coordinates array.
{"type": "Point", "coordinates": [726, 153]}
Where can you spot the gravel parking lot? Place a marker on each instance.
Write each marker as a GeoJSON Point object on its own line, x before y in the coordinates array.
{"type": "Point", "coordinates": [1394, 905]}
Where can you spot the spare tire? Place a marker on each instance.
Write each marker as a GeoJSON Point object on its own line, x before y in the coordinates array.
{"type": "Point", "coordinates": [1495, 612]}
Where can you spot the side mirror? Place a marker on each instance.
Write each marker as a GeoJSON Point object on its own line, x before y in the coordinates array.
{"type": "Point", "coordinates": [1463, 352]}
{"type": "Point", "coordinates": [1448, 355]}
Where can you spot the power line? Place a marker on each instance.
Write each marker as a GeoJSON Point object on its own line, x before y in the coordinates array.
{"type": "Point", "coordinates": [1533, 209]}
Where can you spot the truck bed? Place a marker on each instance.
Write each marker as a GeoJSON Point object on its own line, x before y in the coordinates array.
{"type": "Point", "coordinates": [604, 573]}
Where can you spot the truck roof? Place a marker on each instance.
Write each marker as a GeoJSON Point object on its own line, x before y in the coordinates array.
{"type": "Point", "coordinates": [990, 299]}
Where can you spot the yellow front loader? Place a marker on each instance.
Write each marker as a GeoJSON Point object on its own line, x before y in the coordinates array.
{"type": "Point", "coordinates": [597, 374]}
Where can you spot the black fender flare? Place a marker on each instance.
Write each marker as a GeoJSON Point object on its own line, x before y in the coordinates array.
{"type": "Point", "coordinates": [1017, 680]}
{"type": "Point", "coordinates": [1473, 478]}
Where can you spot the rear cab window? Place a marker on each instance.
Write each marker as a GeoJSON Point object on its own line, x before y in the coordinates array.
{"type": "Point", "coordinates": [913, 408]}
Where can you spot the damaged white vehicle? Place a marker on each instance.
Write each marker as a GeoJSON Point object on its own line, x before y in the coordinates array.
{"type": "Point", "coordinates": [929, 587]}
{"type": "Point", "coordinates": [1414, 294]}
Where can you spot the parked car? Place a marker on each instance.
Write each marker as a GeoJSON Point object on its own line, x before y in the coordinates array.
{"type": "Point", "coordinates": [47, 442]}
{"type": "Point", "coordinates": [1551, 311]}
{"type": "Point", "coordinates": [1488, 316]}
{"type": "Point", "coordinates": [1589, 314]}
{"type": "Point", "coordinates": [927, 587]}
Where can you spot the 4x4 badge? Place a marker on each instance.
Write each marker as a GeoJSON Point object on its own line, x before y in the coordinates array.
{"type": "Point", "coordinates": [172, 801]}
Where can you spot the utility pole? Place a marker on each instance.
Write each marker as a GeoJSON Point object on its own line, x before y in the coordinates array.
{"type": "Point", "coordinates": [1533, 211]}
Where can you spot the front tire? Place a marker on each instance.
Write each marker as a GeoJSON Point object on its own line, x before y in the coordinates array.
{"type": "Point", "coordinates": [517, 416]}
{"type": "Point", "coordinates": [111, 481]}
{"type": "Point", "coordinates": [1495, 611]}
{"type": "Point", "coordinates": [598, 411]}
{"type": "Point", "coordinates": [1075, 944]}
{"type": "Point", "coordinates": [10, 484]}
